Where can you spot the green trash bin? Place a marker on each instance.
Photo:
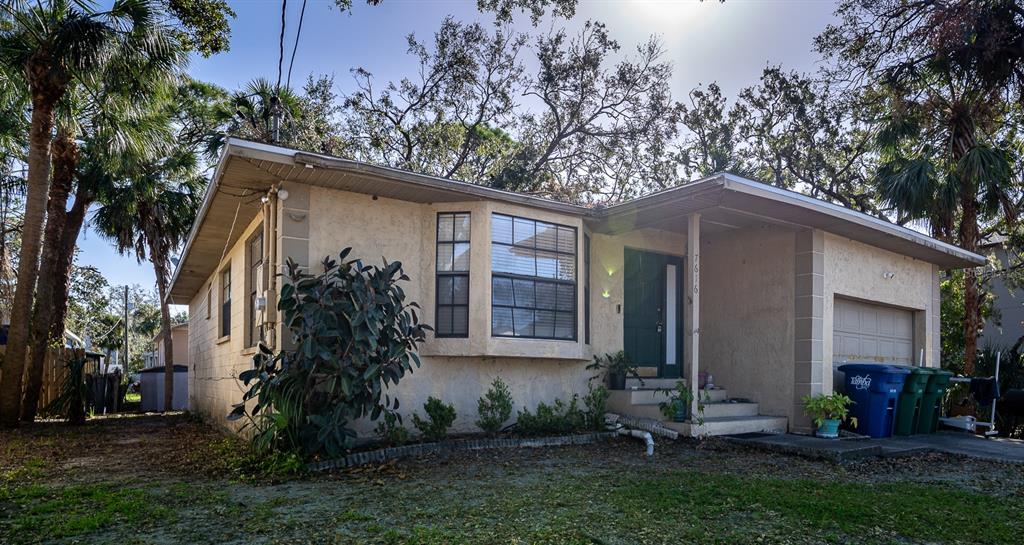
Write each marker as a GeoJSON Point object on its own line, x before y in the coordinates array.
{"type": "Point", "coordinates": [908, 410]}
{"type": "Point", "coordinates": [931, 401]}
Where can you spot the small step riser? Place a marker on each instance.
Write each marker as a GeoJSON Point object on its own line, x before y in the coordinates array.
{"type": "Point", "coordinates": [721, 410]}
{"type": "Point", "coordinates": [649, 396]}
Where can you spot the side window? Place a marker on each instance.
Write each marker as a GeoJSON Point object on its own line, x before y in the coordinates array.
{"type": "Point", "coordinates": [586, 288]}
{"type": "Point", "coordinates": [255, 281]}
{"type": "Point", "coordinates": [452, 309]}
{"type": "Point", "coordinates": [209, 301]}
{"type": "Point", "coordinates": [225, 302]}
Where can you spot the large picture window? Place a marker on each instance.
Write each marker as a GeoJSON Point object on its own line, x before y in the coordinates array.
{"type": "Point", "coordinates": [533, 283]}
{"type": "Point", "coordinates": [452, 310]}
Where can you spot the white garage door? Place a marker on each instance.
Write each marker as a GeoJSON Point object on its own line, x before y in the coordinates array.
{"type": "Point", "coordinates": [871, 333]}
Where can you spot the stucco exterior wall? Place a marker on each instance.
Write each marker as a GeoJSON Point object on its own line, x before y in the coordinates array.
{"type": "Point", "coordinates": [746, 314]}
{"type": "Point", "coordinates": [215, 360]}
{"type": "Point", "coordinates": [866, 273]}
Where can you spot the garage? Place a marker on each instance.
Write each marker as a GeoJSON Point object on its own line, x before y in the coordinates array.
{"type": "Point", "coordinates": [871, 332]}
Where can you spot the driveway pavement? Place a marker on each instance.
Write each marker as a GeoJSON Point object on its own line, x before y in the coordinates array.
{"type": "Point", "coordinates": [840, 450]}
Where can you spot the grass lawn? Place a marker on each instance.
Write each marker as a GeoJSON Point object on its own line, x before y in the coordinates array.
{"type": "Point", "coordinates": [168, 480]}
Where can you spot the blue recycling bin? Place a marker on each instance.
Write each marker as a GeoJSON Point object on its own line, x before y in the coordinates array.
{"type": "Point", "coordinates": [875, 390]}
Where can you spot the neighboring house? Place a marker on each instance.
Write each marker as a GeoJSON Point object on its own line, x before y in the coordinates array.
{"type": "Point", "coordinates": [764, 288]}
{"type": "Point", "coordinates": [179, 344]}
{"type": "Point", "coordinates": [1008, 304]}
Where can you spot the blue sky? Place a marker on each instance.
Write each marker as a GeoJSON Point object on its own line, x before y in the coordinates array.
{"type": "Point", "coordinates": [729, 43]}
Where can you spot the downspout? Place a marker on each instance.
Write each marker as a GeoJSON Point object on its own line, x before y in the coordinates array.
{"type": "Point", "coordinates": [270, 268]}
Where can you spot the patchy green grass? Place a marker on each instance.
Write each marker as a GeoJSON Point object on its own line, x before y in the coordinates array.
{"type": "Point", "coordinates": [42, 513]}
{"type": "Point", "coordinates": [604, 494]}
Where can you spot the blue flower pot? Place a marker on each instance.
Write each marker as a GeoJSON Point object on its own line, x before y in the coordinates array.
{"type": "Point", "coordinates": [829, 429]}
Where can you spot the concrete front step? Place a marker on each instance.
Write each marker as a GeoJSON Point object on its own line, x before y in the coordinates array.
{"type": "Point", "coordinates": [731, 425]}
{"type": "Point", "coordinates": [652, 396]}
{"type": "Point", "coordinates": [727, 409]}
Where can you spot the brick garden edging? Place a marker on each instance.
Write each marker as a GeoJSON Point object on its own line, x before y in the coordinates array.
{"type": "Point", "coordinates": [458, 445]}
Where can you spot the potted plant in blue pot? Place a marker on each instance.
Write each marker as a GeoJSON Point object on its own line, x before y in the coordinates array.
{"type": "Point", "coordinates": [828, 412]}
{"type": "Point", "coordinates": [677, 407]}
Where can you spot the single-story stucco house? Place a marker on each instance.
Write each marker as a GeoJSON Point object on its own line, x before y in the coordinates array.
{"type": "Point", "coordinates": [767, 290]}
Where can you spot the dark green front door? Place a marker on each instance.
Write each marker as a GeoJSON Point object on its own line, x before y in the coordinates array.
{"type": "Point", "coordinates": [652, 311]}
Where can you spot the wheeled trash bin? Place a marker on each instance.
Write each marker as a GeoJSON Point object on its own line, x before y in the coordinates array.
{"type": "Point", "coordinates": [875, 390]}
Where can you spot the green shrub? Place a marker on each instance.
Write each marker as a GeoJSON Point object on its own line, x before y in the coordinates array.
{"type": "Point", "coordinates": [596, 402]}
{"type": "Point", "coordinates": [354, 336]}
{"type": "Point", "coordinates": [557, 418]}
{"type": "Point", "coordinates": [495, 407]}
{"type": "Point", "coordinates": [391, 431]}
{"type": "Point", "coordinates": [440, 418]}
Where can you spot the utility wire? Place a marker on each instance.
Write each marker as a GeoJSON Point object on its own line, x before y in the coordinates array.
{"type": "Point", "coordinates": [298, 34]}
{"type": "Point", "coordinates": [280, 56]}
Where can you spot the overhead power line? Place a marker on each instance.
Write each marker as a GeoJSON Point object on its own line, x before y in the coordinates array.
{"type": "Point", "coordinates": [298, 34]}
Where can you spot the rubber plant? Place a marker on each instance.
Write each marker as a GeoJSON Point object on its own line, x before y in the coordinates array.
{"type": "Point", "coordinates": [353, 336]}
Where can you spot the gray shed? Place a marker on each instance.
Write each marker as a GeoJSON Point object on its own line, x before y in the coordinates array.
{"type": "Point", "coordinates": [152, 388]}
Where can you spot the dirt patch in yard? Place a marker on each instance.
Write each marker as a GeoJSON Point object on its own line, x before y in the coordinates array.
{"type": "Point", "coordinates": [164, 479]}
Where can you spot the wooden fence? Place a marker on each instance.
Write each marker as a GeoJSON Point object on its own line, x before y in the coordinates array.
{"type": "Point", "coordinates": [55, 369]}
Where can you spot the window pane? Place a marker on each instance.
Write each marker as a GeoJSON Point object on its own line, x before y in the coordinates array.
{"type": "Point", "coordinates": [545, 324]}
{"type": "Point", "coordinates": [524, 295]}
{"type": "Point", "coordinates": [526, 263]}
{"type": "Point", "coordinates": [501, 291]}
{"type": "Point", "coordinates": [547, 264]}
{"type": "Point", "coordinates": [564, 325]}
{"type": "Point", "coordinates": [460, 320]}
{"type": "Point", "coordinates": [461, 259]}
{"type": "Point", "coordinates": [546, 236]}
{"type": "Point", "coordinates": [566, 299]}
{"type": "Point", "coordinates": [501, 229]}
{"type": "Point", "coordinates": [462, 227]}
{"type": "Point", "coordinates": [444, 256]}
{"type": "Point", "coordinates": [523, 322]}
{"type": "Point", "coordinates": [524, 232]}
{"type": "Point", "coordinates": [503, 260]}
{"type": "Point", "coordinates": [444, 320]}
{"type": "Point", "coordinates": [460, 290]}
{"type": "Point", "coordinates": [566, 267]}
{"type": "Point", "coordinates": [501, 321]}
{"type": "Point", "coordinates": [445, 227]}
{"type": "Point", "coordinates": [444, 290]}
{"type": "Point", "coordinates": [545, 295]}
{"type": "Point", "coordinates": [566, 240]}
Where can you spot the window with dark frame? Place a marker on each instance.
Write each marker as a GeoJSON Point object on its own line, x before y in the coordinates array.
{"type": "Point", "coordinates": [255, 283]}
{"type": "Point", "coordinates": [533, 280]}
{"type": "Point", "coordinates": [209, 301]}
{"type": "Point", "coordinates": [225, 302]}
{"type": "Point", "coordinates": [452, 268]}
{"type": "Point", "coordinates": [586, 288]}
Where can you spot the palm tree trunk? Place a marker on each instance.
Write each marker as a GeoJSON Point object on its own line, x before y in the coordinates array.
{"type": "Point", "coordinates": [972, 303]}
{"type": "Point", "coordinates": [159, 258]}
{"type": "Point", "coordinates": [963, 141]}
{"type": "Point", "coordinates": [38, 182]}
{"type": "Point", "coordinates": [44, 331]}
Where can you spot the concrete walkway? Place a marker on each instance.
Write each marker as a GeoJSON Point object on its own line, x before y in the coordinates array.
{"type": "Point", "coordinates": [843, 450]}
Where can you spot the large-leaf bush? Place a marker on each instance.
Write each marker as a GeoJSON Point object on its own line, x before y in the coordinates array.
{"type": "Point", "coordinates": [353, 335]}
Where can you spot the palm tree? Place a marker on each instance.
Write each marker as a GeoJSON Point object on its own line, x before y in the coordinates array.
{"type": "Point", "coordinates": [946, 146]}
{"type": "Point", "coordinates": [150, 216]}
{"type": "Point", "coordinates": [117, 122]}
{"type": "Point", "coordinates": [47, 46]}
{"type": "Point", "coordinates": [249, 114]}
